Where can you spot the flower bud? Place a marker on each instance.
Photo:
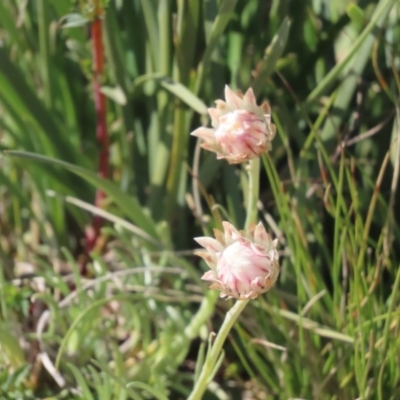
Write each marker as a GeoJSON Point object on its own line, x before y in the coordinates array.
{"type": "Point", "coordinates": [243, 264]}
{"type": "Point", "coordinates": [242, 130]}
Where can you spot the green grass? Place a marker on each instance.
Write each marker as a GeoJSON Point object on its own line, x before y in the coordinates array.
{"type": "Point", "coordinates": [136, 327]}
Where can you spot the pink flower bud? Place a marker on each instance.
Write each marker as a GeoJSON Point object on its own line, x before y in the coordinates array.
{"type": "Point", "coordinates": [242, 130]}
{"type": "Point", "coordinates": [243, 264]}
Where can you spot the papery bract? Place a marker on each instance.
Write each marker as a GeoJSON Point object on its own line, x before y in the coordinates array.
{"type": "Point", "coordinates": [242, 129]}
{"type": "Point", "coordinates": [243, 264]}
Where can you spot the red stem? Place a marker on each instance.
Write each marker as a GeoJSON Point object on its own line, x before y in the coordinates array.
{"type": "Point", "coordinates": [101, 125]}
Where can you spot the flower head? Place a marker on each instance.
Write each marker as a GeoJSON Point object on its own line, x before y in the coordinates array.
{"type": "Point", "coordinates": [243, 264]}
{"type": "Point", "coordinates": [242, 129]}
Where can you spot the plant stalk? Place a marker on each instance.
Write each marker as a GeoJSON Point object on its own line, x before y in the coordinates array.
{"type": "Point", "coordinates": [253, 192]}
{"type": "Point", "coordinates": [213, 356]}
{"type": "Point", "coordinates": [101, 120]}
{"type": "Point", "coordinates": [207, 371]}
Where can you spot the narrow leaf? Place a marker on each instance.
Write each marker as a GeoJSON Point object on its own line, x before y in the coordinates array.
{"type": "Point", "coordinates": [272, 55]}
{"type": "Point", "coordinates": [73, 20]}
{"type": "Point", "coordinates": [128, 205]}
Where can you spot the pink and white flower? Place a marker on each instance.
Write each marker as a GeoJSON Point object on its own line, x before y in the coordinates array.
{"type": "Point", "coordinates": [243, 264]}
{"type": "Point", "coordinates": [242, 130]}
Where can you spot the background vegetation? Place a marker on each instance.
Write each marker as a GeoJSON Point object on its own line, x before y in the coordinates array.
{"type": "Point", "coordinates": [127, 316]}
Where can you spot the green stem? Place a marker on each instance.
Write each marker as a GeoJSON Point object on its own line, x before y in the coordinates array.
{"type": "Point", "coordinates": [205, 311]}
{"type": "Point", "coordinates": [253, 194]}
{"type": "Point", "coordinates": [213, 355]}
{"type": "Point", "coordinates": [44, 46]}
{"type": "Point", "coordinates": [177, 160]}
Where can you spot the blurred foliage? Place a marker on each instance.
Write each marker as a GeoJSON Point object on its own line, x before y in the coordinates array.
{"type": "Point", "coordinates": [133, 327]}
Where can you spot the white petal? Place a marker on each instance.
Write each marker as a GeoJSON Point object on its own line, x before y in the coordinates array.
{"type": "Point", "coordinates": [204, 133]}
{"type": "Point", "coordinates": [209, 244]}
{"type": "Point", "coordinates": [261, 236]}
{"type": "Point", "coordinates": [231, 233]}
{"type": "Point", "coordinates": [250, 97]}
{"type": "Point", "coordinates": [219, 236]}
{"type": "Point", "coordinates": [210, 276]}
{"type": "Point", "coordinates": [232, 98]}
{"type": "Point", "coordinates": [222, 107]}
{"type": "Point", "coordinates": [209, 258]}
{"type": "Point", "coordinates": [214, 114]}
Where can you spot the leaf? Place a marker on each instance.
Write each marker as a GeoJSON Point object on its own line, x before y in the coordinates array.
{"type": "Point", "coordinates": [186, 36]}
{"type": "Point", "coordinates": [128, 205]}
{"type": "Point", "coordinates": [150, 19]}
{"type": "Point", "coordinates": [395, 143]}
{"type": "Point", "coordinates": [114, 93]}
{"type": "Point", "coordinates": [272, 55]}
{"type": "Point", "coordinates": [81, 381]}
{"type": "Point", "coordinates": [356, 14]}
{"type": "Point", "coordinates": [81, 317]}
{"type": "Point", "coordinates": [380, 13]}
{"type": "Point", "coordinates": [212, 35]}
{"type": "Point", "coordinates": [154, 392]}
{"type": "Point", "coordinates": [105, 215]}
{"type": "Point", "coordinates": [176, 88]}
{"type": "Point", "coordinates": [17, 95]}
{"type": "Point", "coordinates": [184, 94]}
{"type": "Point", "coordinates": [73, 20]}
{"type": "Point", "coordinates": [350, 72]}
{"type": "Point", "coordinates": [222, 19]}
{"type": "Point", "coordinates": [10, 348]}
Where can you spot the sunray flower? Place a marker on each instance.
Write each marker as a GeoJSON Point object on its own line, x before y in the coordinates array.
{"type": "Point", "coordinates": [243, 264]}
{"type": "Point", "coordinates": [241, 131]}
